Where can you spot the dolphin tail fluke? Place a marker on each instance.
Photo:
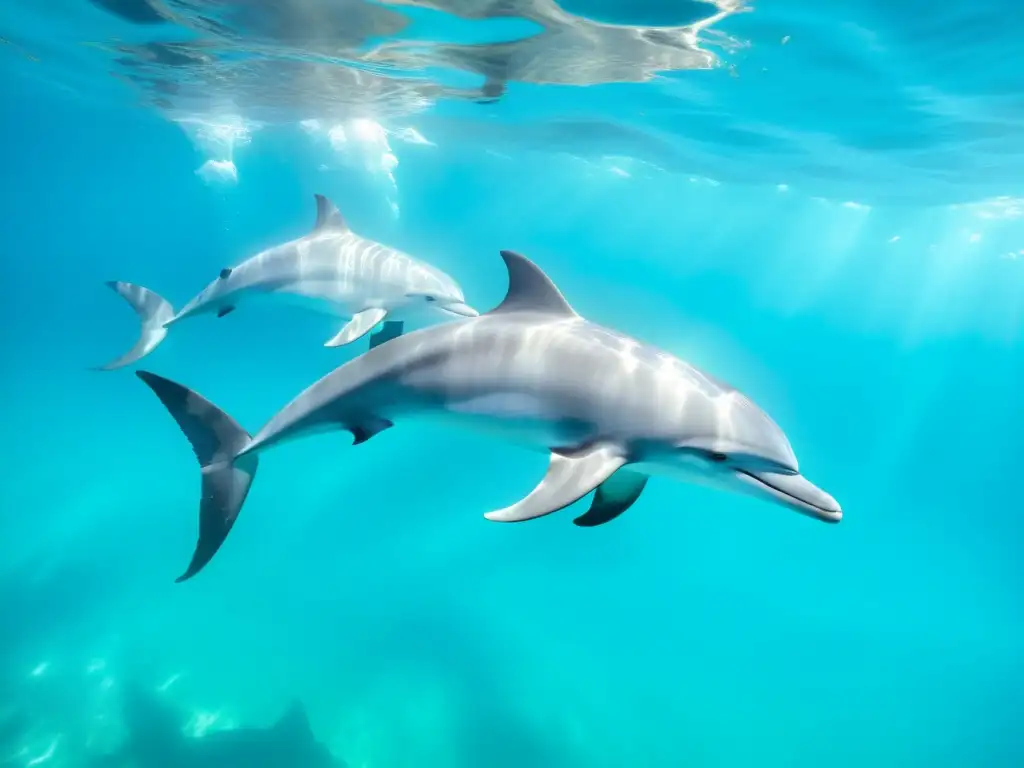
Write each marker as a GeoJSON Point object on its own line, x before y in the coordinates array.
{"type": "Point", "coordinates": [217, 440]}
{"type": "Point", "coordinates": [153, 311]}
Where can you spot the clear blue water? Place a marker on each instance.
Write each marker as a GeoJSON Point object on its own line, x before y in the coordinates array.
{"type": "Point", "coordinates": [829, 215]}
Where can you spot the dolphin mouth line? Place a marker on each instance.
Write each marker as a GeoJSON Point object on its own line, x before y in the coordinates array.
{"type": "Point", "coordinates": [459, 310]}
{"type": "Point", "coordinates": [825, 514]}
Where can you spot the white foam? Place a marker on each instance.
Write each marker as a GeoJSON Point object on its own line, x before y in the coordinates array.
{"type": "Point", "coordinates": [218, 172]}
{"type": "Point", "coordinates": [218, 138]}
{"type": "Point", "coordinates": [411, 136]}
{"type": "Point", "coordinates": [363, 143]}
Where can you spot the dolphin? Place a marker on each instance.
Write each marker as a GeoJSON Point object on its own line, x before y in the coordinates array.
{"type": "Point", "coordinates": [331, 269]}
{"type": "Point", "coordinates": [610, 410]}
{"type": "Point", "coordinates": [155, 740]}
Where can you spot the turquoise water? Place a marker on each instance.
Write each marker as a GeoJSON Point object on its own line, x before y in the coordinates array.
{"type": "Point", "coordinates": [826, 210]}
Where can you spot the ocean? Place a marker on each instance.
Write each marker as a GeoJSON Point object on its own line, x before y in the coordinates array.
{"type": "Point", "coordinates": [821, 204]}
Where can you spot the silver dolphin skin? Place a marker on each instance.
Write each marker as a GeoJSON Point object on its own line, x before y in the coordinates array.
{"type": "Point", "coordinates": [610, 411]}
{"type": "Point", "coordinates": [331, 270]}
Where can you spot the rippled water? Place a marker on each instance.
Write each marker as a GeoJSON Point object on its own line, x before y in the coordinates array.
{"type": "Point", "coordinates": [868, 101]}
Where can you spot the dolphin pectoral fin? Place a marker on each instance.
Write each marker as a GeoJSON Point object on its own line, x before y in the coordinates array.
{"type": "Point", "coordinates": [392, 330]}
{"type": "Point", "coordinates": [367, 428]}
{"type": "Point", "coordinates": [360, 324]}
{"type": "Point", "coordinates": [225, 311]}
{"type": "Point", "coordinates": [570, 477]}
{"type": "Point", "coordinates": [614, 496]}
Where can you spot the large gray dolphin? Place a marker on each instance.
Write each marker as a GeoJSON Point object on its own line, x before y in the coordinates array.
{"type": "Point", "coordinates": [610, 410]}
{"type": "Point", "coordinates": [331, 270]}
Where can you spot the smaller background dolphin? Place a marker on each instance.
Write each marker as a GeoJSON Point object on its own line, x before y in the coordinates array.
{"type": "Point", "coordinates": [330, 270]}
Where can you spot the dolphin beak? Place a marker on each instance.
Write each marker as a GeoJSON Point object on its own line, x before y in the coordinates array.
{"type": "Point", "coordinates": [460, 309]}
{"type": "Point", "coordinates": [796, 492]}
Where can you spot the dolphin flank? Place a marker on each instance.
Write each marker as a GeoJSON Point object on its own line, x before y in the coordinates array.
{"type": "Point", "coordinates": [610, 411]}
{"type": "Point", "coordinates": [331, 270]}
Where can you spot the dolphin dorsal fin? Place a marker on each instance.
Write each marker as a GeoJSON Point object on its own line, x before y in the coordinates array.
{"type": "Point", "coordinates": [530, 290]}
{"type": "Point", "coordinates": [328, 217]}
{"type": "Point", "coordinates": [294, 723]}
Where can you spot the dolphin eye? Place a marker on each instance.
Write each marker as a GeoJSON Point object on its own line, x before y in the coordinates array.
{"type": "Point", "coordinates": [430, 298]}
{"type": "Point", "coordinates": [716, 457]}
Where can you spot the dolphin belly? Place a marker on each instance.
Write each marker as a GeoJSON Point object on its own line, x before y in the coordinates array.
{"type": "Point", "coordinates": [312, 303]}
{"type": "Point", "coordinates": [342, 298]}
